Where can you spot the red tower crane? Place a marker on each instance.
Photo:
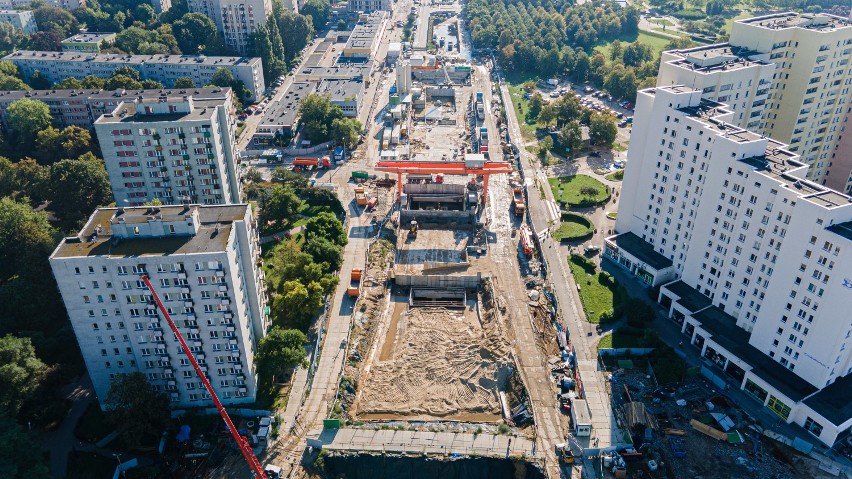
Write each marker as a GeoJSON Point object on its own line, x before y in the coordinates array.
{"type": "Point", "coordinates": [243, 445]}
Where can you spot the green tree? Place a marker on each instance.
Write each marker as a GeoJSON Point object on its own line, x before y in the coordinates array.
{"type": "Point", "coordinates": [544, 146]}
{"type": "Point", "coordinates": [602, 129]}
{"type": "Point", "coordinates": [91, 81]}
{"type": "Point", "coordinates": [11, 38]}
{"type": "Point", "coordinates": [45, 41]}
{"type": "Point", "coordinates": [69, 83]}
{"type": "Point", "coordinates": [12, 83]}
{"type": "Point", "coordinates": [184, 82]}
{"type": "Point", "coordinates": [568, 109]}
{"type": "Point", "coordinates": [26, 237]}
{"type": "Point", "coordinates": [56, 20]}
{"type": "Point", "coordinates": [318, 10]}
{"type": "Point", "coordinates": [639, 313]}
{"type": "Point", "coordinates": [322, 250]}
{"type": "Point", "coordinates": [21, 455]}
{"type": "Point", "coordinates": [21, 372]}
{"type": "Point", "coordinates": [127, 71]}
{"type": "Point", "coordinates": [280, 350]}
{"type": "Point", "coordinates": [78, 187]}
{"type": "Point", "coordinates": [8, 68]}
{"type": "Point", "coordinates": [38, 81]}
{"type": "Point", "coordinates": [281, 207]}
{"type": "Point", "coordinates": [534, 106]}
{"type": "Point", "coordinates": [136, 409]}
{"type": "Point", "coordinates": [621, 82]}
{"type": "Point", "coordinates": [297, 305]}
{"type": "Point", "coordinates": [326, 225]}
{"type": "Point", "coordinates": [571, 136]}
{"type": "Point", "coordinates": [347, 131]}
{"type": "Point", "coordinates": [317, 114]}
{"type": "Point", "coordinates": [193, 31]}
{"type": "Point", "coordinates": [152, 85]}
{"type": "Point", "coordinates": [547, 115]}
{"type": "Point", "coordinates": [32, 180]}
{"type": "Point", "coordinates": [261, 46]}
{"type": "Point", "coordinates": [296, 30]}
{"type": "Point", "coordinates": [616, 52]}
{"type": "Point", "coordinates": [51, 145]}
{"type": "Point", "coordinates": [122, 82]}
{"type": "Point", "coordinates": [26, 118]}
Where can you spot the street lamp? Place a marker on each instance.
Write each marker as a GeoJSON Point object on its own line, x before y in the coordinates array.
{"type": "Point", "coordinates": [117, 457]}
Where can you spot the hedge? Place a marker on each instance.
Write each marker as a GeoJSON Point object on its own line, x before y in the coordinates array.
{"type": "Point", "coordinates": [573, 227]}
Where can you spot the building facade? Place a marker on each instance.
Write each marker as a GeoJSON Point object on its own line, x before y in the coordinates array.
{"type": "Point", "coordinates": [20, 19]}
{"type": "Point", "coordinates": [56, 66]}
{"type": "Point", "coordinates": [203, 262]}
{"type": "Point", "coordinates": [787, 75]}
{"type": "Point", "coordinates": [82, 107]}
{"type": "Point", "coordinates": [87, 42]}
{"type": "Point", "coordinates": [762, 254]}
{"type": "Point", "coordinates": [66, 4]}
{"type": "Point", "coordinates": [161, 6]}
{"type": "Point", "coordinates": [176, 149]}
{"type": "Point", "coordinates": [235, 19]}
{"type": "Point", "coordinates": [367, 6]}
{"type": "Point", "coordinates": [366, 36]}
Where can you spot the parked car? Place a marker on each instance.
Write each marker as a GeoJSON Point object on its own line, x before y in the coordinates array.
{"type": "Point", "coordinates": [619, 115]}
{"type": "Point", "coordinates": [592, 249]}
{"type": "Point", "coordinates": [629, 119]}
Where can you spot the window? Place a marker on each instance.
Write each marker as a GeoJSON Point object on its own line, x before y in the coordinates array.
{"type": "Point", "coordinates": [813, 427]}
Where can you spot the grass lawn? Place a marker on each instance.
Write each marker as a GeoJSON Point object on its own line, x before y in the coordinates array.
{"type": "Point", "coordinates": [617, 176]}
{"type": "Point", "coordinates": [657, 43]}
{"type": "Point", "coordinates": [93, 425]}
{"type": "Point", "coordinates": [660, 21]}
{"type": "Point", "coordinates": [596, 298]}
{"type": "Point", "coordinates": [573, 227]}
{"type": "Point", "coordinates": [566, 190]}
{"type": "Point", "coordinates": [517, 94]}
{"type": "Point", "coordinates": [618, 340]}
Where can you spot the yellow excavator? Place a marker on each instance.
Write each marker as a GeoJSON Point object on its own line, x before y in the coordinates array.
{"type": "Point", "coordinates": [412, 231]}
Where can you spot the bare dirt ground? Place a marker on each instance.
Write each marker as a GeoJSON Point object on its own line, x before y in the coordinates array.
{"type": "Point", "coordinates": [437, 363]}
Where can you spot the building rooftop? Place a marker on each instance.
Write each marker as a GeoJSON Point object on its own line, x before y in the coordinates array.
{"type": "Point", "coordinates": [190, 109]}
{"type": "Point", "coordinates": [285, 111]}
{"type": "Point", "coordinates": [6, 11]}
{"type": "Point", "coordinates": [97, 239]}
{"type": "Point", "coordinates": [342, 90]}
{"type": "Point", "coordinates": [779, 21]}
{"type": "Point", "coordinates": [640, 248]}
{"type": "Point", "coordinates": [713, 58]}
{"type": "Point", "coordinates": [347, 70]}
{"type": "Point", "coordinates": [726, 333]}
{"type": "Point", "coordinates": [89, 37]}
{"type": "Point", "coordinates": [131, 59]}
{"type": "Point", "coordinates": [690, 298]}
{"type": "Point", "coordinates": [833, 401]}
{"type": "Point", "coordinates": [197, 93]}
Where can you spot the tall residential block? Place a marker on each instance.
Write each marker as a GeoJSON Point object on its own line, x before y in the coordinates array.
{"type": "Point", "coordinates": [57, 66]}
{"type": "Point", "coordinates": [786, 75]}
{"type": "Point", "coordinates": [236, 19]}
{"type": "Point", "coordinates": [177, 149]}
{"type": "Point", "coordinates": [203, 262]}
{"type": "Point", "coordinates": [754, 260]}
{"type": "Point", "coordinates": [66, 4]}
{"type": "Point", "coordinates": [20, 19]}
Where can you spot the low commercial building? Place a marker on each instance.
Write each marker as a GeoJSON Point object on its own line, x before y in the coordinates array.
{"type": "Point", "coordinates": [173, 148]}
{"type": "Point", "coordinates": [56, 66]}
{"type": "Point", "coordinates": [20, 19]}
{"type": "Point", "coordinates": [281, 118]}
{"type": "Point", "coordinates": [336, 72]}
{"type": "Point", "coordinates": [365, 37]}
{"type": "Point", "coordinates": [347, 94]}
{"type": "Point", "coordinates": [82, 107]}
{"type": "Point", "coordinates": [367, 6]}
{"type": "Point", "coordinates": [203, 260]}
{"type": "Point", "coordinates": [87, 42]}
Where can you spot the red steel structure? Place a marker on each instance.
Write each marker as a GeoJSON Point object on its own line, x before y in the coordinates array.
{"type": "Point", "coordinates": [444, 167]}
{"type": "Point", "coordinates": [245, 449]}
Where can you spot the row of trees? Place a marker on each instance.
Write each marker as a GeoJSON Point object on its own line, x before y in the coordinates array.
{"type": "Point", "coordinates": [283, 38]}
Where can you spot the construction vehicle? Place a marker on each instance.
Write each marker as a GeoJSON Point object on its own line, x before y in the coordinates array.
{"type": "Point", "coordinates": [563, 452]}
{"type": "Point", "coordinates": [360, 196]}
{"type": "Point", "coordinates": [520, 207]}
{"type": "Point", "coordinates": [372, 202]}
{"type": "Point", "coordinates": [527, 240]}
{"type": "Point", "coordinates": [242, 443]}
{"type": "Point", "coordinates": [480, 110]}
{"type": "Point", "coordinates": [306, 164]}
{"type": "Point", "coordinates": [439, 178]}
{"type": "Point", "coordinates": [359, 176]}
{"type": "Point", "coordinates": [483, 136]}
{"type": "Point", "coordinates": [412, 230]}
{"type": "Point", "coordinates": [339, 154]}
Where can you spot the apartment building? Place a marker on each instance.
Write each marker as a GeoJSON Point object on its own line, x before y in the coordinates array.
{"type": "Point", "coordinates": [804, 103]}
{"type": "Point", "coordinates": [347, 94]}
{"type": "Point", "coordinates": [203, 262]}
{"type": "Point", "coordinates": [177, 149]}
{"type": "Point", "coordinates": [236, 19]}
{"type": "Point", "coordinates": [56, 66]}
{"type": "Point", "coordinates": [367, 6]}
{"type": "Point", "coordinates": [20, 19]}
{"type": "Point", "coordinates": [88, 42]}
{"type": "Point", "coordinates": [82, 107]}
{"type": "Point", "coordinates": [161, 6]}
{"type": "Point", "coordinates": [66, 4]}
{"type": "Point", "coordinates": [752, 257]}
{"type": "Point", "coordinates": [366, 36]}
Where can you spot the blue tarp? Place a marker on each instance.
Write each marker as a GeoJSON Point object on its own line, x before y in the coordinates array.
{"type": "Point", "coordinates": [183, 433]}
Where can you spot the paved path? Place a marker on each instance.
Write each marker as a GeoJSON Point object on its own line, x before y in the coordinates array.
{"type": "Point", "coordinates": [61, 440]}
{"type": "Point", "coordinates": [424, 442]}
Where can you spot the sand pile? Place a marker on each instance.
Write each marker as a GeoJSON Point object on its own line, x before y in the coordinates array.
{"type": "Point", "coordinates": [444, 364]}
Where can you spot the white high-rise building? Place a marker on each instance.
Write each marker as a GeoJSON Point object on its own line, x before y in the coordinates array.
{"type": "Point", "coordinates": [203, 262]}
{"type": "Point", "coordinates": [173, 148]}
{"type": "Point", "coordinates": [786, 75]}
{"type": "Point", "coordinates": [236, 19]}
{"type": "Point", "coordinates": [754, 259]}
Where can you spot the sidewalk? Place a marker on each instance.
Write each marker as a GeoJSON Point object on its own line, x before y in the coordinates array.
{"type": "Point", "coordinates": [61, 440]}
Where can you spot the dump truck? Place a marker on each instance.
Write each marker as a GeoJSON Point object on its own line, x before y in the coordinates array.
{"type": "Point", "coordinates": [527, 240]}
{"type": "Point", "coordinates": [306, 164]}
{"type": "Point", "coordinates": [355, 282]}
{"type": "Point", "coordinates": [483, 136]}
{"type": "Point", "coordinates": [480, 110]}
{"type": "Point", "coordinates": [520, 207]}
{"type": "Point", "coordinates": [360, 196]}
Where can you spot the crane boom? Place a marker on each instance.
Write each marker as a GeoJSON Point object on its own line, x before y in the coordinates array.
{"type": "Point", "coordinates": [244, 447]}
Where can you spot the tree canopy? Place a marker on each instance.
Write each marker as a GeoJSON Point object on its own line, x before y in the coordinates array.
{"type": "Point", "coordinates": [21, 372]}
{"type": "Point", "coordinates": [280, 350]}
{"type": "Point", "coordinates": [136, 409]}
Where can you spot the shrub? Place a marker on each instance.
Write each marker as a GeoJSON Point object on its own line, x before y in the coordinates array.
{"type": "Point", "coordinates": [606, 279]}
{"type": "Point", "coordinates": [639, 313]}
{"type": "Point", "coordinates": [573, 227]}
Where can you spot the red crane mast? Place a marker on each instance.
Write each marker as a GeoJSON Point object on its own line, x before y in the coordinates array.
{"type": "Point", "coordinates": [245, 449]}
